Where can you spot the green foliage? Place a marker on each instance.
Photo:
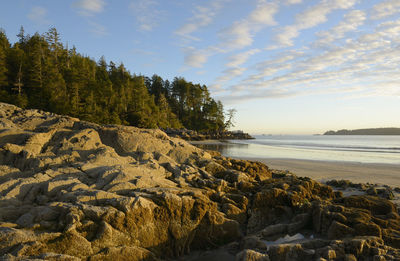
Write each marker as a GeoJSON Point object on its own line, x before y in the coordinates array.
{"type": "Point", "coordinates": [39, 72]}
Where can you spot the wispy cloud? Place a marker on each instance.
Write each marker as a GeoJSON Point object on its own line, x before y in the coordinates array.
{"type": "Point", "coordinates": [233, 69]}
{"type": "Point", "coordinates": [240, 58]}
{"type": "Point", "coordinates": [311, 17]}
{"type": "Point", "coordinates": [147, 14]}
{"type": "Point", "coordinates": [195, 58]}
{"type": "Point", "coordinates": [89, 7]}
{"type": "Point", "coordinates": [241, 33]}
{"type": "Point", "coordinates": [385, 9]}
{"type": "Point", "coordinates": [202, 16]}
{"type": "Point", "coordinates": [350, 23]}
{"type": "Point", "coordinates": [38, 15]}
{"type": "Point", "coordinates": [230, 73]}
{"type": "Point", "coordinates": [293, 2]}
{"type": "Point", "coordinates": [365, 63]}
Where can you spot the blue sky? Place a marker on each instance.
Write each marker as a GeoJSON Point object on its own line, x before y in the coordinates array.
{"type": "Point", "coordinates": [287, 66]}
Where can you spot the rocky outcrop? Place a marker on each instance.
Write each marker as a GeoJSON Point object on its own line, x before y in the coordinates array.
{"type": "Point", "coordinates": [191, 135]}
{"type": "Point", "coordinates": [72, 190]}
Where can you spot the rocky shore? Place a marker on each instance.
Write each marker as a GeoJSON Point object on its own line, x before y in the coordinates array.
{"type": "Point", "coordinates": [74, 190]}
{"type": "Point", "coordinates": [191, 135]}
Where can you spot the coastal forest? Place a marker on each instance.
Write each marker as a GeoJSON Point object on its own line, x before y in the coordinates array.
{"type": "Point", "coordinates": [374, 131]}
{"type": "Point", "coordinates": [39, 72]}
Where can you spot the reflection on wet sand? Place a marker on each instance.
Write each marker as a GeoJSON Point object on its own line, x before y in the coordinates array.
{"type": "Point", "coordinates": [223, 147]}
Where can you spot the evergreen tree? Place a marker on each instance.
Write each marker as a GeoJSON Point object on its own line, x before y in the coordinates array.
{"type": "Point", "coordinates": [21, 35]}
{"type": "Point", "coordinates": [39, 72]}
{"type": "Point", "coordinates": [35, 46]}
{"type": "Point", "coordinates": [4, 46]}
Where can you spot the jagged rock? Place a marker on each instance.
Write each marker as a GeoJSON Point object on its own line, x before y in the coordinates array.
{"type": "Point", "coordinates": [286, 252]}
{"type": "Point", "coordinates": [211, 135]}
{"type": "Point", "coordinates": [250, 255]}
{"type": "Point", "coordinates": [73, 190]}
{"type": "Point", "coordinates": [124, 253]}
{"type": "Point", "coordinates": [339, 230]}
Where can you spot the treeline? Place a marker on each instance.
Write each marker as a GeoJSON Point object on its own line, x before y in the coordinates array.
{"type": "Point", "coordinates": [376, 131]}
{"type": "Point", "coordinates": [40, 72]}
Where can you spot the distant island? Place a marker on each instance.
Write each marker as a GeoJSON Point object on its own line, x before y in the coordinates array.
{"type": "Point", "coordinates": [375, 131]}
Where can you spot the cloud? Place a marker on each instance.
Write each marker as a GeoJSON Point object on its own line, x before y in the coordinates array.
{"type": "Point", "coordinates": [98, 29]}
{"type": "Point", "coordinates": [233, 70]}
{"type": "Point", "coordinates": [240, 97]}
{"type": "Point", "coordinates": [195, 58]}
{"type": "Point", "coordinates": [350, 23]}
{"type": "Point", "coordinates": [230, 73]}
{"type": "Point", "coordinates": [202, 16]}
{"type": "Point", "coordinates": [293, 2]}
{"type": "Point", "coordinates": [147, 14]}
{"type": "Point", "coordinates": [38, 15]}
{"type": "Point", "coordinates": [285, 38]}
{"type": "Point", "coordinates": [385, 9]}
{"type": "Point", "coordinates": [241, 33]}
{"type": "Point", "coordinates": [89, 7]}
{"type": "Point", "coordinates": [311, 17]}
{"type": "Point", "coordinates": [241, 58]}
{"type": "Point", "coordinates": [366, 63]}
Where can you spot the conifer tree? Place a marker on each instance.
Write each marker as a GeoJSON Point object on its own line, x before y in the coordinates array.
{"type": "Point", "coordinates": [39, 72]}
{"type": "Point", "coordinates": [4, 46]}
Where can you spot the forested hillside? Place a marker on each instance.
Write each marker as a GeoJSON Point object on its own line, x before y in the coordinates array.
{"type": "Point", "coordinates": [40, 72]}
{"type": "Point", "coordinates": [375, 131]}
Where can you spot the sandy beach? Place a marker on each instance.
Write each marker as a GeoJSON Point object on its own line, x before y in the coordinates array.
{"type": "Point", "coordinates": [323, 170]}
{"type": "Point", "coordinates": [388, 174]}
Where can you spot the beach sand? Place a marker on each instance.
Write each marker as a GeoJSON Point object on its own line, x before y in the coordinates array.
{"type": "Point", "coordinates": [388, 174]}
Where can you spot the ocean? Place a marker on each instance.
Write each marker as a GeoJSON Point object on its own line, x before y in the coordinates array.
{"type": "Point", "coordinates": [349, 148]}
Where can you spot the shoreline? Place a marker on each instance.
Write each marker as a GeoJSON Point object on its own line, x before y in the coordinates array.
{"type": "Point", "coordinates": [357, 172]}
{"type": "Point", "coordinates": [324, 170]}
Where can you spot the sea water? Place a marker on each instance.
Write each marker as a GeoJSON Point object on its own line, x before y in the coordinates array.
{"type": "Point", "coordinates": [350, 148]}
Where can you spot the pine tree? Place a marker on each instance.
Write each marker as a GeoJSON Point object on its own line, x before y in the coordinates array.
{"type": "Point", "coordinates": [4, 46]}
{"type": "Point", "coordinates": [21, 36]}
{"type": "Point", "coordinates": [35, 46]}
{"type": "Point", "coordinates": [53, 39]}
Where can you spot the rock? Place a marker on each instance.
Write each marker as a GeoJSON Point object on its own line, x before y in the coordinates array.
{"type": "Point", "coordinates": [250, 255]}
{"type": "Point", "coordinates": [274, 229]}
{"type": "Point", "coordinates": [211, 135]}
{"type": "Point", "coordinates": [350, 257]}
{"type": "Point", "coordinates": [329, 254]}
{"type": "Point", "coordinates": [368, 229]}
{"type": "Point", "coordinates": [386, 193]}
{"type": "Point", "coordinates": [72, 190]}
{"type": "Point", "coordinates": [339, 183]}
{"type": "Point", "coordinates": [375, 205]}
{"type": "Point", "coordinates": [285, 252]}
{"type": "Point", "coordinates": [252, 242]}
{"type": "Point", "coordinates": [25, 220]}
{"type": "Point", "coordinates": [124, 253]}
{"type": "Point", "coordinates": [338, 230]}
{"type": "Point", "coordinates": [372, 191]}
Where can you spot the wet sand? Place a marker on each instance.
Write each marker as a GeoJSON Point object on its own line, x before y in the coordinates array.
{"type": "Point", "coordinates": [388, 174]}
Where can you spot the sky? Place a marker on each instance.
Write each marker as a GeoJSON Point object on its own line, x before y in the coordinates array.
{"type": "Point", "coordinates": [286, 66]}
